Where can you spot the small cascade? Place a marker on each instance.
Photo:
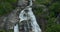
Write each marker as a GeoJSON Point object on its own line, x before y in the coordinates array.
{"type": "Point", "coordinates": [16, 28]}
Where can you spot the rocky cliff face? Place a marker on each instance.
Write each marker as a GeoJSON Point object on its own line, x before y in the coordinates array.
{"type": "Point", "coordinates": [2, 20]}
{"type": "Point", "coordinates": [8, 21]}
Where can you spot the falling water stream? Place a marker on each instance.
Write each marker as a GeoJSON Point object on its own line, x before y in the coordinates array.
{"type": "Point", "coordinates": [16, 28]}
{"type": "Point", "coordinates": [28, 16]}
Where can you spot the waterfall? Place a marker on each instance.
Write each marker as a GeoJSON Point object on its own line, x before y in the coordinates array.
{"type": "Point", "coordinates": [26, 15]}
{"type": "Point", "coordinates": [31, 16]}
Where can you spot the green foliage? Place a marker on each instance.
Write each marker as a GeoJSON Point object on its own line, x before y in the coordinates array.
{"type": "Point", "coordinates": [43, 1]}
{"type": "Point", "coordinates": [6, 6]}
{"type": "Point", "coordinates": [11, 1]}
{"type": "Point", "coordinates": [10, 30]}
{"type": "Point", "coordinates": [2, 30]}
{"type": "Point", "coordinates": [52, 26]}
{"type": "Point", "coordinates": [52, 14]}
{"type": "Point", "coordinates": [53, 8]}
{"type": "Point", "coordinates": [38, 10]}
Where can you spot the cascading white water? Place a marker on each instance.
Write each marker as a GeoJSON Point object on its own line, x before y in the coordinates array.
{"type": "Point", "coordinates": [31, 16]}
{"type": "Point", "coordinates": [35, 26]}
{"type": "Point", "coordinates": [16, 28]}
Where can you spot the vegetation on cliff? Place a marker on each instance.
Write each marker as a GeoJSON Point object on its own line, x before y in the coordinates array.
{"type": "Point", "coordinates": [6, 6]}
{"type": "Point", "coordinates": [51, 15]}
{"type": "Point", "coordinates": [48, 18]}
